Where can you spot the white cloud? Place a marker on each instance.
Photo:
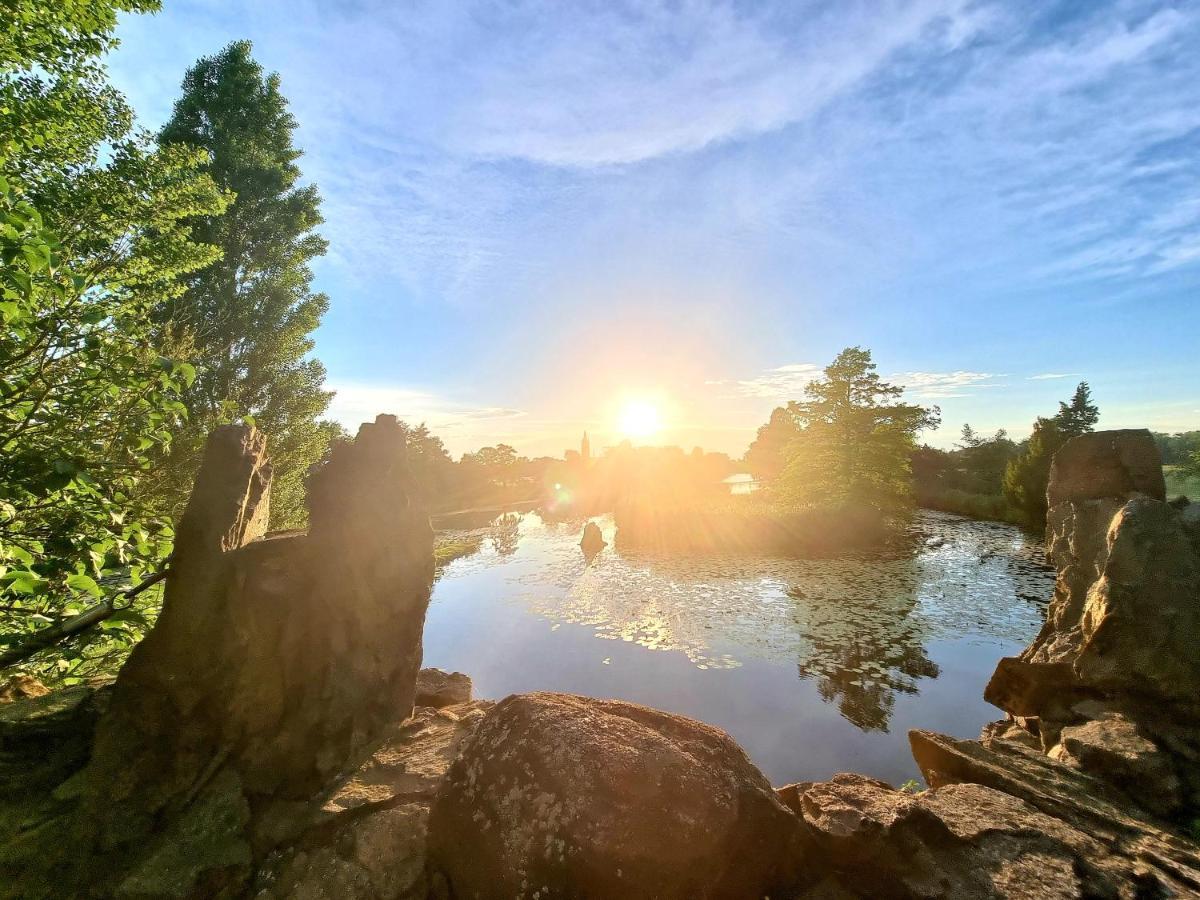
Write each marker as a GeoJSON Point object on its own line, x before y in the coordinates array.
{"type": "Point", "coordinates": [1046, 376]}
{"type": "Point", "coordinates": [355, 403]}
{"type": "Point", "coordinates": [781, 383]}
{"type": "Point", "coordinates": [945, 385]}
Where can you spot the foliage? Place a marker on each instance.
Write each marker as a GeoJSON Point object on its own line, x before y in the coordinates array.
{"type": "Point", "coordinates": [1027, 475]}
{"type": "Point", "coordinates": [768, 453]}
{"type": "Point", "coordinates": [855, 439]}
{"type": "Point", "coordinates": [1080, 415]}
{"type": "Point", "coordinates": [92, 238]}
{"type": "Point", "coordinates": [981, 462]}
{"type": "Point", "coordinates": [247, 318]}
{"type": "Point", "coordinates": [1179, 449]}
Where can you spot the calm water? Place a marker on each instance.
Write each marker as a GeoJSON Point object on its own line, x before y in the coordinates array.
{"type": "Point", "coordinates": [814, 666]}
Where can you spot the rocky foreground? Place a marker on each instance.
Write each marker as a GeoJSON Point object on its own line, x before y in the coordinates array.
{"type": "Point", "coordinates": [273, 738]}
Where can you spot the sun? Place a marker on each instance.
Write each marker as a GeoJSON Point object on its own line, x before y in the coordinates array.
{"type": "Point", "coordinates": [640, 419]}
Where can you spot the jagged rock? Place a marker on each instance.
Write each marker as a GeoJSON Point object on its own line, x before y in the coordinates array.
{"type": "Point", "coordinates": [956, 841]}
{"type": "Point", "coordinates": [366, 837]}
{"type": "Point", "coordinates": [592, 541]}
{"type": "Point", "coordinates": [1141, 622]}
{"type": "Point", "coordinates": [1111, 748]}
{"type": "Point", "coordinates": [276, 659]}
{"type": "Point", "coordinates": [561, 795]}
{"type": "Point", "coordinates": [1030, 688]}
{"type": "Point", "coordinates": [437, 688]}
{"type": "Point", "coordinates": [1121, 849]}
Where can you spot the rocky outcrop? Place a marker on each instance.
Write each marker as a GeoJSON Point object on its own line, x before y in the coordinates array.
{"type": "Point", "coordinates": [558, 795]}
{"type": "Point", "coordinates": [1111, 685]}
{"type": "Point", "coordinates": [275, 660]}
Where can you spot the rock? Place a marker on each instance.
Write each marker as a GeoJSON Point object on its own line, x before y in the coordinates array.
{"type": "Point", "coordinates": [1120, 850]}
{"type": "Point", "coordinates": [367, 837]}
{"type": "Point", "coordinates": [1141, 622]}
{"type": "Point", "coordinates": [592, 541]}
{"type": "Point", "coordinates": [1111, 748]}
{"type": "Point", "coordinates": [203, 852]}
{"type": "Point", "coordinates": [961, 840]}
{"type": "Point", "coordinates": [1106, 465]}
{"type": "Point", "coordinates": [22, 687]}
{"type": "Point", "coordinates": [1030, 688]}
{"type": "Point", "coordinates": [438, 689]}
{"type": "Point", "coordinates": [278, 659]}
{"type": "Point", "coordinates": [561, 795]}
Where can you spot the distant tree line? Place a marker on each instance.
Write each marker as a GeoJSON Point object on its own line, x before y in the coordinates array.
{"type": "Point", "coordinates": [997, 478]}
{"type": "Point", "coordinates": [853, 442]}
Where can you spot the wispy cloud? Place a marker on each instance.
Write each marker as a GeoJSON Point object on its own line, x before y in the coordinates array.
{"type": "Point", "coordinates": [354, 404]}
{"type": "Point", "coordinates": [945, 385]}
{"type": "Point", "coordinates": [1047, 376]}
{"type": "Point", "coordinates": [781, 383]}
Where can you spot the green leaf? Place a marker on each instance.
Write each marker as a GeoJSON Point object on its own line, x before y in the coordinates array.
{"type": "Point", "coordinates": [84, 583]}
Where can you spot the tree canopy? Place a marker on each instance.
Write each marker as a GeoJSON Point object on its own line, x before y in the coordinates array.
{"type": "Point", "coordinates": [246, 319]}
{"type": "Point", "coordinates": [93, 237]}
{"type": "Point", "coordinates": [855, 438]}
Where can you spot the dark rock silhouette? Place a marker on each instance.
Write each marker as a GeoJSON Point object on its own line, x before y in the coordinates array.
{"type": "Point", "coordinates": [274, 661]}
{"type": "Point", "coordinates": [592, 541]}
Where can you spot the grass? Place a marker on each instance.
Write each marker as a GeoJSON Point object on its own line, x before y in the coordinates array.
{"type": "Point", "coordinates": [1179, 484]}
{"type": "Point", "coordinates": [992, 507]}
{"type": "Point", "coordinates": [452, 547]}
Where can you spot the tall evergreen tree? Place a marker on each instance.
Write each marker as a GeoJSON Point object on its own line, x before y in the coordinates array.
{"type": "Point", "coordinates": [248, 318]}
{"type": "Point", "coordinates": [1080, 415]}
{"type": "Point", "coordinates": [1028, 474]}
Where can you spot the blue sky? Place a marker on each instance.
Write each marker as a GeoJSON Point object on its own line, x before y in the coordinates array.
{"type": "Point", "coordinates": [538, 210]}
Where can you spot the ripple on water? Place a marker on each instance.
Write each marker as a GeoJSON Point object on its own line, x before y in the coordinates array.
{"type": "Point", "coordinates": [868, 618]}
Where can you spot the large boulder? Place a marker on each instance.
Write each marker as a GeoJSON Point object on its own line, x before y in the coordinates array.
{"type": "Point", "coordinates": [562, 795]}
{"type": "Point", "coordinates": [1106, 464]}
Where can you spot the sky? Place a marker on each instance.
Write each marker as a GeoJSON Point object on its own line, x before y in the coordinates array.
{"type": "Point", "coordinates": [540, 212]}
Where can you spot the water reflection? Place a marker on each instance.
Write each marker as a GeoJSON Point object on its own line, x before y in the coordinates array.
{"type": "Point", "coordinates": [860, 631]}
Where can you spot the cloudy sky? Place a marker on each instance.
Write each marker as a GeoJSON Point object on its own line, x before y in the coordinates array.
{"type": "Point", "coordinates": [539, 210]}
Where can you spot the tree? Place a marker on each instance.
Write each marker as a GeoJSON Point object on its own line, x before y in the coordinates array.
{"type": "Point", "coordinates": [856, 442]}
{"type": "Point", "coordinates": [1080, 415]}
{"type": "Point", "coordinates": [981, 461]}
{"type": "Point", "coordinates": [248, 317]}
{"type": "Point", "coordinates": [1028, 474]}
{"type": "Point", "coordinates": [767, 454]}
{"type": "Point", "coordinates": [93, 236]}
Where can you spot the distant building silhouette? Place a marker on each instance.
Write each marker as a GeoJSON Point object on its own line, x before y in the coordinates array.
{"type": "Point", "coordinates": [585, 449]}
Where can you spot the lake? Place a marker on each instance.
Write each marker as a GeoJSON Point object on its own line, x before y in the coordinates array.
{"type": "Point", "coordinates": [814, 666]}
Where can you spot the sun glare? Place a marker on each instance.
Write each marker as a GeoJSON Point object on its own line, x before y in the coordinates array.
{"type": "Point", "coordinates": [640, 419]}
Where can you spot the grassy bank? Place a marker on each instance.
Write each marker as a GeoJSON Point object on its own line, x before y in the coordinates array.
{"type": "Point", "coordinates": [750, 525]}
{"type": "Point", "coordinates": [1180, 484]}
{"type": "Point", "coordinates": [990, 507]}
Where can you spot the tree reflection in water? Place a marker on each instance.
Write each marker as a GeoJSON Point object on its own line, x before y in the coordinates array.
{"type": "Point", "coordinates": [862, 653]}
{"type": "Point", "coordinates": [860, 628]}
